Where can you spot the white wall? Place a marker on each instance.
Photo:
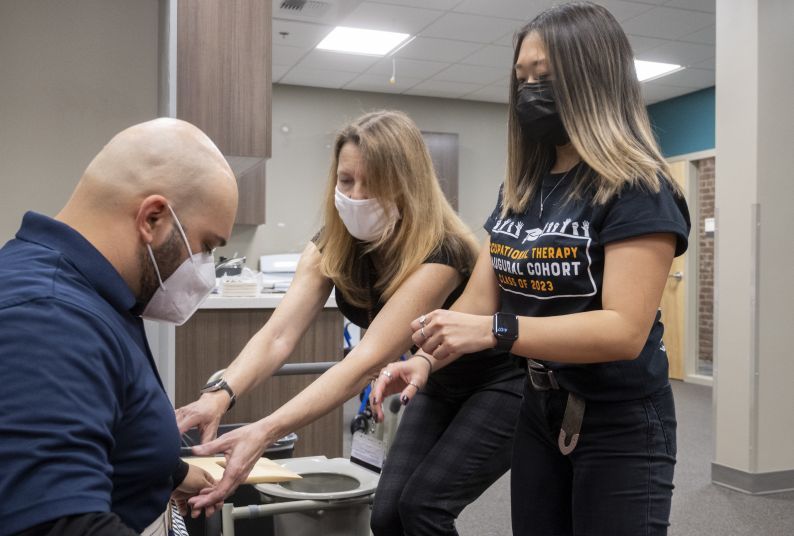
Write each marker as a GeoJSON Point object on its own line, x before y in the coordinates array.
{"type": "Point", "coordinates": [72, 74]}
{"type": "Point", "coordinates": [298, 169]}
{"type": "Point", "coordinates": [754, 289]}
{"type": "Point", "coordinates": [775, 197]}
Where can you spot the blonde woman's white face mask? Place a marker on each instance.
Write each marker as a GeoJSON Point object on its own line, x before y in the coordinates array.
{"type": "Point", "coordinates": [365, 219]}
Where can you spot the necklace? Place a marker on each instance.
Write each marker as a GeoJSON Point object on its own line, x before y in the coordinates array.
{"type": "Point", "coordinates": [543, 199]}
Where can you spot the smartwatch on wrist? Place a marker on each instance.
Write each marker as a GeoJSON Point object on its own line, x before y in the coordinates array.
{"type": "Point", "coordinates": [505, 329]}
{"type": "Point", "coordinates": [217, 385]}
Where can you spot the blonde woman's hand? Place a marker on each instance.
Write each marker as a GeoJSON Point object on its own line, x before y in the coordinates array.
{"type": "Point", "coordinates": [242, 448]}
{"type": "Point", "coordinates": [204, 414]}
{"type": "Point", "coordinates": [449, 334]}
{"type": "Point", "coordinates": [408, 376]}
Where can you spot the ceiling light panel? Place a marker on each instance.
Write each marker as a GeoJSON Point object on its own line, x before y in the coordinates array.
{"type": "Point", "coordinates": [650, 70]}
{"type": "Point", "coordinates": [362, 41]}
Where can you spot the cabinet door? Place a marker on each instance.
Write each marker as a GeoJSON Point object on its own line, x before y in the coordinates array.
{"type": "Point", "coordinates": [224, 72]}
{"type": "Point", "coordinates": [212, 338]}
{"type": "Point", "coordinates": [224, 87]}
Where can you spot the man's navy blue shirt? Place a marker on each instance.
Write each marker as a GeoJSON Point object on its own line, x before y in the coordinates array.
{"type": "Point", "coordinates": [85, 425]}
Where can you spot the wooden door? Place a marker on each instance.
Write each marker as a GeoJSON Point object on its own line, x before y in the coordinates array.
{"type": "Point", "coordinates": [443, 148]}
{"type": "Point", "coordinates": [674, 297]}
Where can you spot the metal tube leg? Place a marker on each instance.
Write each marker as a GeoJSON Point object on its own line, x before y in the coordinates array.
{"type": "Point", "coordinates": [227, 516]}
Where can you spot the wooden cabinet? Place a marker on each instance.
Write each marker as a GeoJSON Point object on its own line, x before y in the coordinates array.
{"type": "Point", "coordinates": [223, 86]}
{"type": "Point", "coordinates": [212, 338]}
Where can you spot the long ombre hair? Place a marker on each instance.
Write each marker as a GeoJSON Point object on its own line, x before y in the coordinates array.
{"type": "Point", "coordinates": [600, 103]}
{"type": "Point", "coordinates": [398, 170]}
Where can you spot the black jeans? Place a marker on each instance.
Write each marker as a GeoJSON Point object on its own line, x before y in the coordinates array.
{"type": "Point", "coordinates": [617, 482]}
{"type": "Point", "coordinates": [450, 446]}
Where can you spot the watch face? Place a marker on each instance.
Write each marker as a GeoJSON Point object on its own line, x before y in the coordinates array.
{"type": "Point", "coordinates": [506, 326]}
{"type": "Point", "coordinates": [214, 385]}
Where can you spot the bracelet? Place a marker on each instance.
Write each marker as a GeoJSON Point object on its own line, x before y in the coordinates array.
{"type": "Point", "coordinates": [429, 363]}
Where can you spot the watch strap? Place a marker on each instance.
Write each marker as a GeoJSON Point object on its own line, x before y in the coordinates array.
{"type": "Point", "coordinates": [218, 385]}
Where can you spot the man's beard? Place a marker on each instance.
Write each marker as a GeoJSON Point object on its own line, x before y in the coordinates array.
{"type": "Point", "coordinates": [168, 257]}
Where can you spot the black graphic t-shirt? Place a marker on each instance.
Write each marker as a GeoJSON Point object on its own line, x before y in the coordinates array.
{"type": "Point", "coordinates": [554, 265]}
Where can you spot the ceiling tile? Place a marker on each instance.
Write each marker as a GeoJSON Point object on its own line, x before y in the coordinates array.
{"type": "Point", "coordinates": [437, 88]}
{"type": "Point", "coordinates": [474, 74]}
{"type": "Point", "coordinates": [706, 36]}
{"type": "Point", "coordinates": [518, 10]}
{"type": "Point", "coordinates": [707, 6]}
{"type": "Point", "coordinates": [443, 5]}
{"type": "Point", "coordinates": [390, 18]}
{"type": "Point", "coordinates": [640, 44]}
{"type": "Point", "coordinates": [427, 48]}
{"type": "Point", "coordinates": [491, 56]}
{"type": "Point", "coordinates": [622, 10]}
{"type": "Point", "coordinates": [406, 67]}
{"type": "Point", "coordinates": [380, 83]}
{"type": "Point", "coordinates": [667, 23]}
{"type": "Point", "coordinates": [692, 78]}
{"type": "Point", "coordinates": [507, 39]}
{"type": "Point", "coordinates": [286, 55]}
{"type": "Point", "coordinates": [299, 34]}
{"type": "Point", "coordinates": [706, 64]}
{"type": "Point", "coordinates": [323, 59]}
{"type": "Point", "coordinates": [679, 52]}
{"type": "Point", "coordinates": [279, 71]}
{"type": "Point", "coordinates": [470, 28]}
{"type": "Point", "coordinates": [489, 94]}
{"type": "Point", "coordinates": [317, 78]}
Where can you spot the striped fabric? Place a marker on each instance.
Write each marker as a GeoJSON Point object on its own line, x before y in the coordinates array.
{"type": "Point", "coordinates": [178, 527]}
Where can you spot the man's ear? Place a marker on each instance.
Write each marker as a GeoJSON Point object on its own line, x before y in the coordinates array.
{"type": "Point", "coordinates": [153, 220]}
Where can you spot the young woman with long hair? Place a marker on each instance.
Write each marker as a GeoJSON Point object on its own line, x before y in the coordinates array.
{"type": "Point", "coordinates": [585, 229]}
{"type": "Point", "coordinates": [392, 247]}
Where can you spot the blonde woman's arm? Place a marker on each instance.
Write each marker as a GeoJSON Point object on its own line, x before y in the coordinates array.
{"type": "Point", "coordinates": [268, 349]}
{"type": "Point", "coordinates": [480, 297]}
{"type": "Point", "coordinates": [386, 339]}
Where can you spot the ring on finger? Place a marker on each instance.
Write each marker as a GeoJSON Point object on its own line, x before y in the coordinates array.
{"type": "Point", "coordinates": [386, 373]}
{"type": "Point", "coordinates": [422, 320]}
{"type": "Point", "coordinates": [412, 383]}
{"type": "Point", "coordinates": [422, 331]}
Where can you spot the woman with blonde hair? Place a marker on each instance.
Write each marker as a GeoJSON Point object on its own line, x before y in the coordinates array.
{"type": "Point", "coordinates": [392, 247]}
{"type": "Point", "coordinates": [585, 229]}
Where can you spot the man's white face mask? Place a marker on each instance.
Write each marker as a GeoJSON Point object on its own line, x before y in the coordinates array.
{"type": "Point", "coordinates": [365, 219]}
{"type": "Point", "coordinates": [181, 294]}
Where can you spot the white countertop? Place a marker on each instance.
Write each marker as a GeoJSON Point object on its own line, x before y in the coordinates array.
{"type": "Point", "coordinates": [263, 301]}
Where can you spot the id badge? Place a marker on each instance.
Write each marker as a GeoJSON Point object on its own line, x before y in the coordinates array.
{"type": "Point", "coordinates": [368, 451]}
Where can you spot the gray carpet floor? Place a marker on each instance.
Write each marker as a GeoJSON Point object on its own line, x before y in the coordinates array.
{"type": "Point", "coordinates": [699, 507]}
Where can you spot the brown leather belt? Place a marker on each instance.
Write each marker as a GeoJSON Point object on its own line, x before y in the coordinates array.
{"type": "Point", "coordinates": [542, 378]}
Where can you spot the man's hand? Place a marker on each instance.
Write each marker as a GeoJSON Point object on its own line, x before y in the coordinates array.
{"type": "Point", "coordinates": [195, 480]}
{"type": "Point", "coordinates": [204, 414]}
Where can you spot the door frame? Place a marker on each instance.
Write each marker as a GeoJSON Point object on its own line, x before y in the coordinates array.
{"type": "Point", "coordinates": [691, 374]}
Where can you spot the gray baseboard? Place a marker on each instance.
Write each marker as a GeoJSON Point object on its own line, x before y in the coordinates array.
{"type": "Point", "coordinates": [752, 483]}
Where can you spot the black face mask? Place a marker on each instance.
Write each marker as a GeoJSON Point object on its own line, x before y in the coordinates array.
{"type": "Point", "coordinates": [537, 114]}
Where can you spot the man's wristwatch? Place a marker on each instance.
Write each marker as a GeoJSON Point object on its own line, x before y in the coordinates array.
{"type": "Point", "coordinates": [505, 329]}
{"type": "Point", "coordinates": [217, 385]}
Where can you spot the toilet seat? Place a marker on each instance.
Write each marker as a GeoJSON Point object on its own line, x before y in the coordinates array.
{"type": "Point", "coordinates": [314, 465]}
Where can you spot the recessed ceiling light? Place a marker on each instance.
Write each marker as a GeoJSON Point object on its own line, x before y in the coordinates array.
{"type": "Point", "coordinates": [648, 70]}
{"type": "Point", "coordinates": [361, 41]}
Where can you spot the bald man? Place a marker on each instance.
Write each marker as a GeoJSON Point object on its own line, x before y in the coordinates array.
{"type": "Point", "coordinates": [89, 438]}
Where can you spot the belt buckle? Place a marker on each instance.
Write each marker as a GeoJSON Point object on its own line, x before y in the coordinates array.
{"type": "Point", "coordinates": [536, 371]}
